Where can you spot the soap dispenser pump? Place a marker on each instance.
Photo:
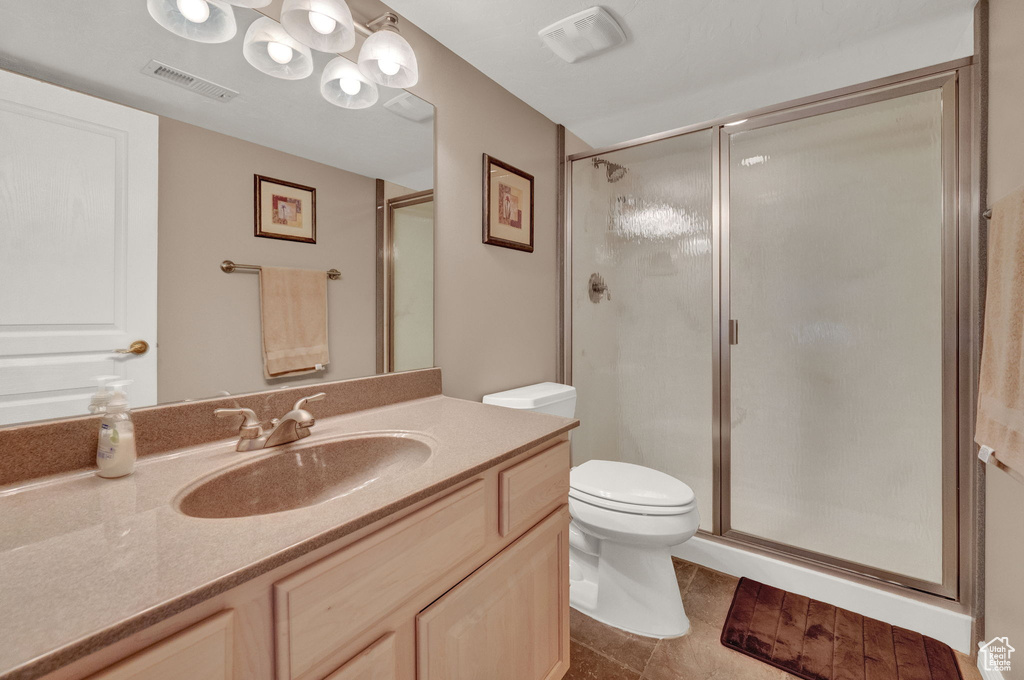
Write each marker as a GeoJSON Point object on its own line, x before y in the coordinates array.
{"type": "Point", "coordinates": [102, 396]}
{"type": "Point", "coordinates": [115, 454]}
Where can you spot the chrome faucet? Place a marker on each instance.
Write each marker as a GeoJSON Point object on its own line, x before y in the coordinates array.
{"type": "Point", "coordinates": [293, 426]}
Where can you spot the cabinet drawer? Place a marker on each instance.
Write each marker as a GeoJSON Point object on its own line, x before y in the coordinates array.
{"type": "Point", "coordinates": [509, 620]}
{"type": "Point", "coordinates": [325, 606]}
{"type": "Point", "coordinates": [202, 652]}
{"type": "Point", "coordinates": [376, 662]}
{"type": "Point", "coordinates": [531, 489]}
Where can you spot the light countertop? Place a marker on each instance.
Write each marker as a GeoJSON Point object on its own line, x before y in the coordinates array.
{"type": "Point", "coordinates": [85, 561]}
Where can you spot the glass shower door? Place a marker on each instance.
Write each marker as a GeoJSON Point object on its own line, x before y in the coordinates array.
{"type": "Point", "coordinates": [839, 414]}
{"type": "Point", "coordinates": [410, 246]}
{"type": "Point", "coordinates": [642, 309]}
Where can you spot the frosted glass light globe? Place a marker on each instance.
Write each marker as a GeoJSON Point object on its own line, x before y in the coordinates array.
{"type": "Point", "coordinates": [322, 23]}
{"type": "Point", "coordinates": [205, 21]}
{"type": "Point", "coordinates": [282, 54]}
{"type": "Point", "coordinates": [342, 84]}
{"type": "Point", "coordinates": [270, 48]}
{"type": "Point", "coordinates": [196, 11]}
{"type": "Point", "coordinates": [386, 58]}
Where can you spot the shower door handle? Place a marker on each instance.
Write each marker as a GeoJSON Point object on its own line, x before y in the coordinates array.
{"type": "Point", "coordinates": [734, 332]}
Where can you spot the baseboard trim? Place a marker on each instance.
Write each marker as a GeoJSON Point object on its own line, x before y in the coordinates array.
{"type": "Point", "coordinates": [953, 628]}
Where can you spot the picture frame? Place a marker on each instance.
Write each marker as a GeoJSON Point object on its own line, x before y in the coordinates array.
{"type": "Point", "coordinates": [508, 206]}
{"type": "Point", "coordinates": [284, 210]}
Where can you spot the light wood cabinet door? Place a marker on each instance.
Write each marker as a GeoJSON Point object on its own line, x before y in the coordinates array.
{"type": "Point", "coordinates": [509, 620]}
{"type": "Point", "coordinates": [376, 662]}
{"type": "Point", "coordinates": [201, 652]}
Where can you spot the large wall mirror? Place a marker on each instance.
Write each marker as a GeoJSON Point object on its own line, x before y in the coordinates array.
{"type": "Point", "coordinates": [129, 174]}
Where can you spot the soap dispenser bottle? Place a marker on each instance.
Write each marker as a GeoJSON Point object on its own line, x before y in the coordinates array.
{"type": "Point", "coordinates": [115, 454]}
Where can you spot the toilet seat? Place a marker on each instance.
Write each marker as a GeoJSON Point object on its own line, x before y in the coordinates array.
{"type": "Point", "coordinates": [630, 508]}
{"type": "Point", "coordinates": [629, 488]}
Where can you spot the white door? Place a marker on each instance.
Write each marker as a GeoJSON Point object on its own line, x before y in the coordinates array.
{"type": "Point", "coordinates": [78, 219]}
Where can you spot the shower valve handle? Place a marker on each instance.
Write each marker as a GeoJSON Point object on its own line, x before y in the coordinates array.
{"type": "Point", "coordinates": [598, 288]}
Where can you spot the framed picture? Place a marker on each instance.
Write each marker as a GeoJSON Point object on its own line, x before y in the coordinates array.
{"type": "Point", "coordinates": [285, 210]}
{"type": "Point", "coordinates": [508, 206]}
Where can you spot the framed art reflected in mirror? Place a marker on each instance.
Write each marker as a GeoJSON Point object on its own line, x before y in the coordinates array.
{"type": "Point", "coordinates": [284, 210]}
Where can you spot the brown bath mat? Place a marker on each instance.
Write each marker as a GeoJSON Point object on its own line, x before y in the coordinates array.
{"type": "Point", "coordinates": [817, 641]}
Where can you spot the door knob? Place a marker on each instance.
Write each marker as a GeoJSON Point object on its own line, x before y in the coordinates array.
{"type": "Point", "coordinates": [137, 347]}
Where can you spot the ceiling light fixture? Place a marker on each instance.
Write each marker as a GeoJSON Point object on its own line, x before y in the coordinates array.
{"type": "Point", "coordinates": [344, 85]}
{"type": "Point", "coordinates": [386, 57]}
{"type": "Point", "coordinates": [324, 25]}
{"type": "Point", "coordinates": [207, 21]}
{"type": "Point", "coordinates": [282, 49]}
{"type": "Point", "coordinates": [270, 48]}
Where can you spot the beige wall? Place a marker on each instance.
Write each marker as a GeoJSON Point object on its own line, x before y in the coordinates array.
{"type": "Point", "coordinates": [209, 327]}
{"type": "Point", "coordinates": [1004, 552]}
{"type": "Point", "coordinates": [495, 314]}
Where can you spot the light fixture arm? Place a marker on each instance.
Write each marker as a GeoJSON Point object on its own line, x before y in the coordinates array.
{"type": "Point", "coordinates": [388, 20]}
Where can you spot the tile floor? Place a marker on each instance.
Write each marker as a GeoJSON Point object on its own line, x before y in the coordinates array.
{"type": "Point", "coordinates": [600, 652]}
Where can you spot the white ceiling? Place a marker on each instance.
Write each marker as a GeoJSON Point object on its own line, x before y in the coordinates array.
{"type": "Point", "coordinates": [688, 61]}
{"type": "Point", "coordinates": [100, 46]}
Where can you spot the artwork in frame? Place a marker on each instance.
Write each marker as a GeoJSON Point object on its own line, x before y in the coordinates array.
{"type": "Point", "coordinates": [508, 206]}
{"type": "Point", "coordinates": [285, 210]}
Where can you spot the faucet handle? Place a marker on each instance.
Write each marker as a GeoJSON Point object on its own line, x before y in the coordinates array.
{"type": "Point", "coordinates": [313, 397]}
{"type": "Point", "coordinates": [250, 429]}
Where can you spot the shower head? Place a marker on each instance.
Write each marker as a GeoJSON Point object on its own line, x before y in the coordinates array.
{"type": "Point", "coordinates": [613, 171]}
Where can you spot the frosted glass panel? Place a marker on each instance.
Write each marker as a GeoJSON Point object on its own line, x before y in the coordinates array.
{"type": "Point", "coordinates": [642, 360]}
{"type": "Point", "coordinates": [836, 250]}
{"type": "Point", "coordinates": [413, 313]}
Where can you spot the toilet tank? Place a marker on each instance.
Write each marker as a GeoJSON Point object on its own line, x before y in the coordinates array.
{"type": "Point", "coordinates": [549, 397]}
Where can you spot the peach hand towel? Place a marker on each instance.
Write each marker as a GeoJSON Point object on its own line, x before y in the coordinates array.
{"type": "Point", "coordinates": [1001, 389]}
{"type": "Point", "coordinates": [293, 312]}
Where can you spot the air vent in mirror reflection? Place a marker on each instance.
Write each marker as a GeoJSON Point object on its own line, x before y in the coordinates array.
{"type": "Point", "coordinates": [188, 81]}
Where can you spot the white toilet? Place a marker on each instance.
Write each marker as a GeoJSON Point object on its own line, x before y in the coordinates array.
{"type": "Point", "coordinates": [625, 520]}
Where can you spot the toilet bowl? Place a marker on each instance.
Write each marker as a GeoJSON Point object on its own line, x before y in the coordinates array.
{"type": "Point", "coordinates": [625, 520]}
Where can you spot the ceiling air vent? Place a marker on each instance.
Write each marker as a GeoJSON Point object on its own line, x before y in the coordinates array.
{"type": "Point", "coordinates": [583, 35]}
{"type": "Point", "coordinates": [408, 105]}
{"type": "Point", "coordinates": [189, 81]}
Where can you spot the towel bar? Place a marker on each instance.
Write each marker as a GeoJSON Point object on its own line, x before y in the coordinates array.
{"type": "Point", "coordinates": [228, 266]}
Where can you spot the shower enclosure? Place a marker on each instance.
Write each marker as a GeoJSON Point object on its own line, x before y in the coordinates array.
{"type": "Point", "coordinates": [776, 309]}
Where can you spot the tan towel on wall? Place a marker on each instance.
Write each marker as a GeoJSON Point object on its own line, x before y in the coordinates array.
{"type": "Point", "coordinates": [1001, 388]}
{"type": "Point", "coordinates": [293, 313]}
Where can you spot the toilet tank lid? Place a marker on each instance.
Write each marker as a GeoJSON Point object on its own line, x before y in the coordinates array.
{"type": "Point", "coordinates": [532, 396]}
{"type": "Point", "coordinates": [629, 483]}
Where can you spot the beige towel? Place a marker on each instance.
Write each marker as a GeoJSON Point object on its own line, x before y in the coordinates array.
{"type": "Point", "coordinates": [1001, 389]}
{"type": "Point", "coordinates": [293, 311]}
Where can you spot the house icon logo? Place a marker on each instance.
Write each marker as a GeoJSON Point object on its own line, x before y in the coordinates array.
{"type": "Point", "coordinates": [996, 654]}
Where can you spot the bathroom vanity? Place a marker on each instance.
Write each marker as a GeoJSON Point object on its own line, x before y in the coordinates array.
{"type": "Point", "coordinates": [445, 557]}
